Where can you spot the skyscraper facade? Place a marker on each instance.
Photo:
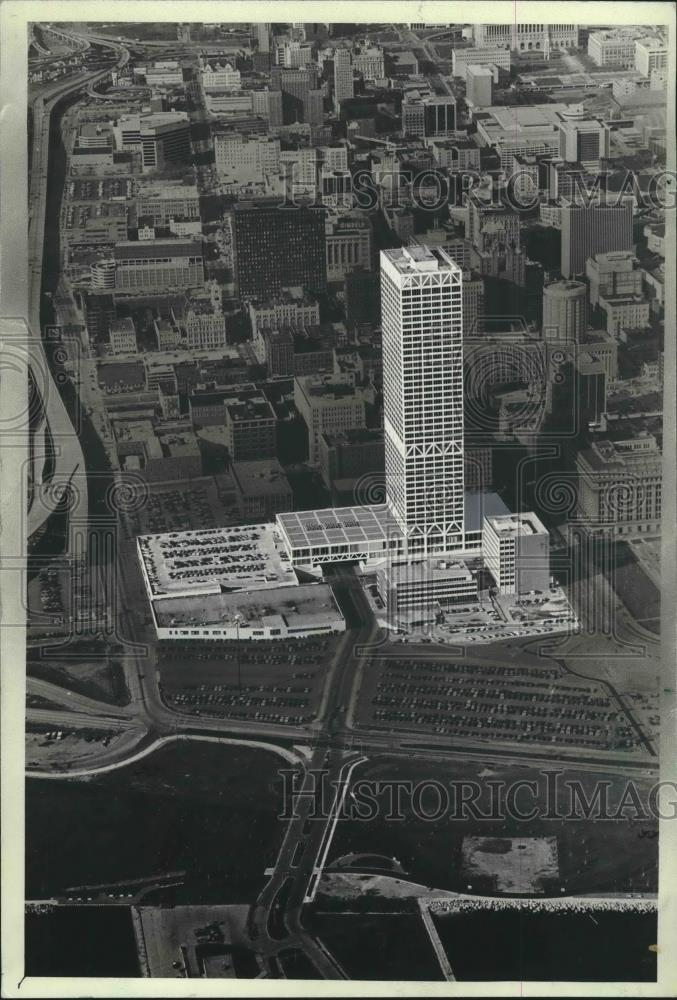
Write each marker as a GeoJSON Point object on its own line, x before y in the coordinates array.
{"type": "Point", "coordinates": [343, 76]}
{"type": "Point", "coordinates": [301, 98]}
{"type": "Point", "coordinates": [422, 317]}
{"type": "Point", "coordinates": [565, 311]}
{"type": "Point", "coordinates": [582, 139]}
{"type": "Point", "coordinates": [591, 229]}
{"type": "Point", "coordinates": [262, 34]}
{"type": "Point", "coordinates": [277, 247]}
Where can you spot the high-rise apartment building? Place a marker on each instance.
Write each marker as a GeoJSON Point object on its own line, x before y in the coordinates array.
{"type": "Point", "coordinates": [422, 317]}
{"type": "Point", "coordinates": [565, 311]}
{"type": "Point", "coordinates": [343, 76]}
{"type": "Point", "coordinates": [591, 229]}
{"type": "Point", "coordinates": [278, 247]}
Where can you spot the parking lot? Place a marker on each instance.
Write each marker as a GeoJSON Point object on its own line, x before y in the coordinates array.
{"type": "Point", "coordinates": [494, 702]}
{"type": "Point", "coordinates": [281, 681]}
{"type": "Point", "coordinates": [182, 506]}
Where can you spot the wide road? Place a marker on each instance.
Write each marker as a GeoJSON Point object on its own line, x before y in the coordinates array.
{"type": "Point", "coordinates": [69, 462]}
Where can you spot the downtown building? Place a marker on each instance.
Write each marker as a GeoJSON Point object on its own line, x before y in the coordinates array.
{"type": "Point", "coordinates": [520, 36]}
{"type": "Point", "coordinates": [158, 264]}
{"type": "Point", "coordinates": [159, 138]}
{"type": "Point", "coordinates": [277, 247]}
{"type": "Point", "coordinates": [428, 117]}
{"type": "Point", "coordinates": [421, 540]}
{"type": "Point", "coordinates": [422, 322]}
{"type": "Point", "coordinates": [343, 77]}
{"type": "Point", "coordinates": [488, 55]}
{"type": "Point", "coordinates": [593, 229]}
{"type": "Point", "coordinates": [301, 95]}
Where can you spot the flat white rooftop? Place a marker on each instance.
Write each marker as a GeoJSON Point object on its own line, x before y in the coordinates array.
{"type": "Point", "coordinates": [209, 561]}
{"type": "Point", "coordinates": [312, 605]}
{"type": "Point", "coordinates": [419, 259]}
{"type": "Point", "coordinates": [333, 526]}
{"type": "Point", "coordinates": [517, 524]}
{"type": "Point", "coordinates": [339, 525]}
{"type": "Point", "coordinates": [435, 570]}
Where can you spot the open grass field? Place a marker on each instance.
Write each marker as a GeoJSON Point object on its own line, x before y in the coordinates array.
{"type": "Point", "coordinates": [594, 855]}
{"type": "Point", "coordinates": [102, 680]}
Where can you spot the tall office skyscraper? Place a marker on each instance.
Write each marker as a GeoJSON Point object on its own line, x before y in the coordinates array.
{"type": "Point", "coordinates": [301, 97]}
{"type": "Point", "coordinates": [262, 32]}
{"type": "Point", "coordinates": [422, 319]}
{"type": "Point", "coordinates": [591, 229]}
{"type": "Point", "coordinates": [343, 76]}
{"type": "Point", "coordinates": [276, 247]}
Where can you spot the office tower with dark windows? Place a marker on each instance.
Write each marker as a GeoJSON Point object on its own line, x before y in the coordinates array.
{"type": "Point", "coordinates": [591, 229]}
{"type": "Point", "coordinates": [301, 97]}
{"type": "Point", "coordinates": [278, 247]}
{"type": "Point", "coordinates": [422, 317]}
{"type": "Point", "coordinates": [428, 117]}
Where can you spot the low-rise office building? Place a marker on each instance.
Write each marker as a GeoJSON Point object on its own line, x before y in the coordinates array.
{"type": "Point", "coordinates": [515, 549]}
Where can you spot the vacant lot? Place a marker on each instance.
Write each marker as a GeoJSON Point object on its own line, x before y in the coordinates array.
{"type": "Point", "coordinates": [515, 865]}
{"type": "Point", "coordinates": [635, 589]}
{"type": "Point", "coordinates": [102, 680]}
{"type": "Point", "coordinates": [615, 855]}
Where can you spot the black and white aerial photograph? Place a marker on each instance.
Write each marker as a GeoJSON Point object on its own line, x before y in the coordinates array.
{"type": "Point", "coordinates": [342, 503]}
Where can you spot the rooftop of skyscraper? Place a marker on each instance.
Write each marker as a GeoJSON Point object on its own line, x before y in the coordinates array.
{"type": "Point", "coordinates": [420, 258]}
